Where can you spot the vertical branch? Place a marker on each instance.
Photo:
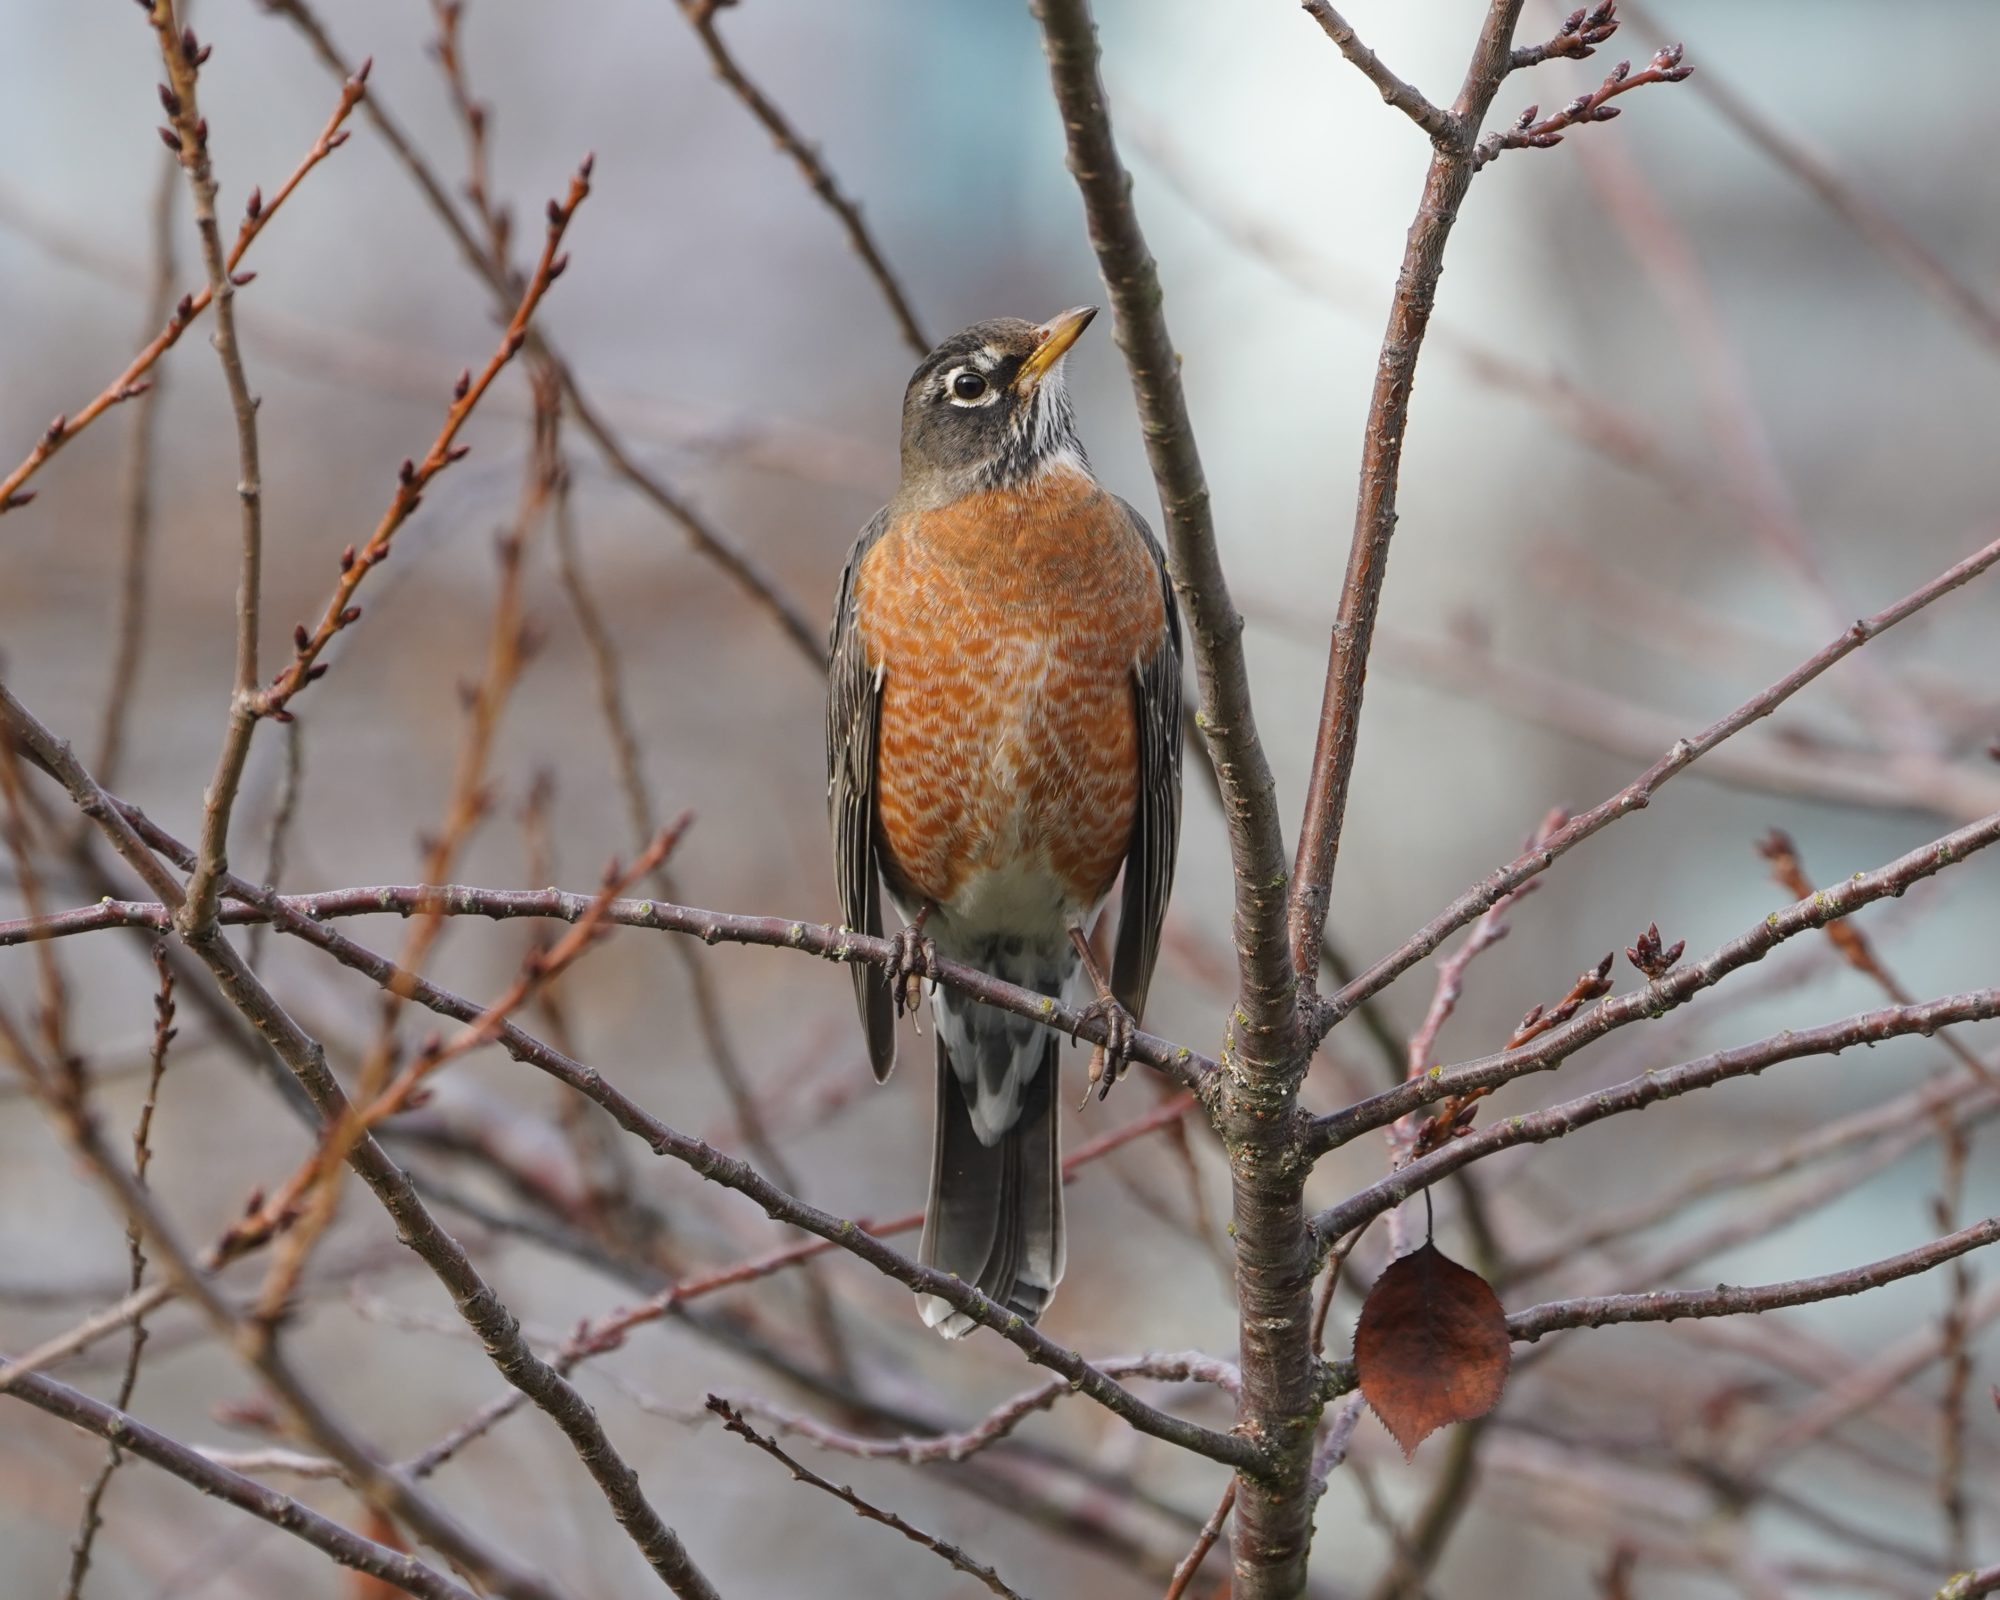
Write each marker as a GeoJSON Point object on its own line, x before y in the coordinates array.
{"type": "Point", "coordinates": [136, 557]}
{"type": "Point", "coordinates": [142, 1157]}
{"type": "Point", "coordinates": [1257, 1107]}
{"type": "Point", "coordinates": [1445, 185]}
{"type": "Point", "coordinates": [188, 138]}
{"type": "Point", "coordinates": [1227, 722]}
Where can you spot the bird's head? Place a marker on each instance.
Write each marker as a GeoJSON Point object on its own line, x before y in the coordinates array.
{"type": "Point", "coordinates": [988, 407]}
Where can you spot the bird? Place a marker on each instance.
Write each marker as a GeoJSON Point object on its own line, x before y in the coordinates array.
{"type": "Point", "coordinates": [1003, 739]}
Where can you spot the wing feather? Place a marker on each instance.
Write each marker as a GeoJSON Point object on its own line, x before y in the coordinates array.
{"type": "Point", "coordinates": [1156, 825]}
{"type": "Point", "coordinates": [853, 706]}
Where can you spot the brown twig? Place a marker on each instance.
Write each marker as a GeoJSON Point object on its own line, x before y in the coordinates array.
{"type": "Point", "coordinates": [1211, 1530]}
{"type": "Point", "coordinates": [1891, 1022]}
{"type": "Point", "coordinates": [701, 17]}
{"type": "Point", "coordinates": [132, 382]}
{"type": "Point", "coordinates": [1582, 31]}
{"type": "Point", "coordinates": [415, 476]}
{"type": "Point", "coordinates": [945, 1551]}
{"type": "Point", "coordinates": [1853, 944]}
{"type": "Point", "coordinates": [188, 138]}
{"type": "Point", "coordinates": [1638, 794]}
{"type": "Point", "coordinates": [135, 555]}
{"type": "Point", "coordinates": [1543, 1049]}
{"type": "Point", "coordinates": [445, 1256]}
{"type": "Point", "coordinates": [1531, 131]}
{"type": "Point", "coordinates": [1866, 216]}
{"type": "Point", "coordinates": [1441, 125]}
{"type": "Point", "coordinates": [1446, 183]}
{"type": "Point", "coordinates": [1188, 1068]}
{"type": "Point", "coordinates": [708, 539]}
{"type": "Point", "coordinates": [142, 1156]}
{"type": "Point", "coordinates": [350, 1550]}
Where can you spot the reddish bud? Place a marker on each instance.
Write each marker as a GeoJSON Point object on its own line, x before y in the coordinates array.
{"type": "Point", "coordinates": [347, 559]}
{"type": "Point", "coordinates": [350, 616]}
{"type": "Point", "coordinates": [169, 101]}
{"type": "Point", "coordinates": [460, 389]}
{"type": "Point", "coordinates": [171, 140]}
{"type": "Point", "coordinates": [253, 208]}
{"type": "Point", "coordinates": [300, 638]}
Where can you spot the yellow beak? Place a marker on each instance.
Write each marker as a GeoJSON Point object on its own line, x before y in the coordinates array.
{"type": "Point", "coordinates": [1057, 335]}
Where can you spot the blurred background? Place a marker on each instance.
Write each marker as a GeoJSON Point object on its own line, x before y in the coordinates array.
{"type": "Point", "coordinates": [1679, 423]}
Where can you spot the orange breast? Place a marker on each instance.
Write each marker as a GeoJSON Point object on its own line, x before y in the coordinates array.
{"type": "Point", "coordinates": [1007, 628]}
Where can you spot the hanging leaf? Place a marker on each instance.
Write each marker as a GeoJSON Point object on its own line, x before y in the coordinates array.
{"type": "Point", "coordinates": [1431, 1347]}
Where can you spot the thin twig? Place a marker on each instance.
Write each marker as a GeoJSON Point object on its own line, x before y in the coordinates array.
{"type": "Point", "coordinates": [128, 1433]}
{"type": "Point", "coordinates": [132, 382]}
{"type": "Point", "coordinates": [1188, 1068]}
{"type": "Point", "coordinates": [709, 541]}
{"type": "Point", "coordinates": [135, 555]}
{"type": "Point", "coordinates": [701, 17]}
{"type": "Point", "coordinates": [945, 1551]}
{"type": "Point", "coordinates": [1867, 1028]}
{"type": "Point", "coordinates": [1667, 990]}
{"type": "Point", "coordinates": [1638, 794]}
{"type": "Point", "coordinates": [1440, 124]}
{"type": "Point", "coordinates": [1211, 1530]}
{"type": "Point", "coordinates": [128, 1379]}
{"type": "Point", "coordinates": [188, 138]}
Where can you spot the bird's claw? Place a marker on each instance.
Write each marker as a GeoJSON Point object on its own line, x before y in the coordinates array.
{"type": "Point", "coordinates": [912, 959]}
{"type": "Point", "coordinates": [1108, 1060]}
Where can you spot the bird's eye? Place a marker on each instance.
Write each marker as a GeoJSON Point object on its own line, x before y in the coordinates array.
{"type": "Point", "coordinates": [968, 385]}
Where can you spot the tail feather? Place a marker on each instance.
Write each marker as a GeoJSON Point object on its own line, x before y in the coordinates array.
{"type": "Point", "coordinates": [995, 1217]}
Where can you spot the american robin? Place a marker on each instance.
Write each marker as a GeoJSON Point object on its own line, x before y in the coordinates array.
{"type": "Point", "coordinates": [1003, 737]}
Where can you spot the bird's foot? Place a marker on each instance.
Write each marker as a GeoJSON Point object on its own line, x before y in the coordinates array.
{"type": "Point", "coordinates": [912, 959]}
{"type": "Point", "coordinates": [1108, 1060]}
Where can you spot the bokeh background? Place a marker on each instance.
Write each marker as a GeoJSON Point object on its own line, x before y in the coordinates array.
{"type": "Point", "coordinates": [1554, 612]}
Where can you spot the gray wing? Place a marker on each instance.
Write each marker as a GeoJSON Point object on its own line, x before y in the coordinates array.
{"type": "Point", "coordinates": [853, 703]}
{"type": "Point", "coordinates": [1156, 826]}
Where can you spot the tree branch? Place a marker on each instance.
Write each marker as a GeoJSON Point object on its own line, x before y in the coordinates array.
{"type": "Point", "coordinates": [1663, 993]}
{"type": "Point", "coordinates": [942, 1549]}
{"type": "Point", "coordinates": [1538, 1127]}
{"type": "Point", "coordinates": [1638, 794]}
{"type": "Point", "coordinates": [1445, 185]}
{"type": "Point", "coordinates": [128, 1433]}
{"type": "Point", "coordinates": [1188, 1068]}
{"type": "Point", "coordinates": [701, 17]}
{"type": "Point", "coordinates": [1434, 120]}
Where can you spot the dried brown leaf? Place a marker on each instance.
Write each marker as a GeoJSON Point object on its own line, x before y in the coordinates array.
{"type": "Point", "coordinates": [1431, 1347]}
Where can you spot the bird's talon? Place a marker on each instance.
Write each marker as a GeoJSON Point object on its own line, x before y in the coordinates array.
{"type": "Point", "coordinates": [1109, 1059]}
{"type": "Point", "coordinates": [912, 959]}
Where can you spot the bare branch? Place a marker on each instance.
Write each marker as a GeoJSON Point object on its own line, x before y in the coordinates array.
{"type": "Point", "coordinates": [1226, 718]}
{"type": "Point", "coordinates": [127, 1433]}
{"type": "Point", "coordinates": [132, 382]}
{"type": "Point", "coordinates": [701, 17]}
{"type": "Point", "coordinates": [1636, 795]}
{"type": "Point", "coordinates": [1188, 1068]}
{"type": "Point", "coordinates": [1669, 990]}
{"type": "Point", "coordinates": [1442, 127]}
{"type": "Point", "coordinates": [482, 1309]}
{"type": "Point", "coordinates": [1537, 1127]}
{"type": "Point", "coordinates": [1528, 133]}
{"type": "Point", "coordinates": [708, 540]}
{"type": "Point", "coordinates": [1445, 186]}
{"type": "Point", "coordinates": [1727, 1301]}
{"type": "Point", "coordinates": [938, 1547]}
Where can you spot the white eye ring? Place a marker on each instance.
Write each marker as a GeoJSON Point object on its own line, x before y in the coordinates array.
{"type": "Point", "coordinates": [968, 387]}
